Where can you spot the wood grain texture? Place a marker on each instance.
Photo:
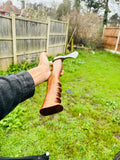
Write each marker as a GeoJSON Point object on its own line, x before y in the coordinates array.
{"type": "Point", "coordinates": [111, 38]}
{"type": "Point", "coordinates": [52, 102]}
{"type": "Point", "coordinates": [29, 36]}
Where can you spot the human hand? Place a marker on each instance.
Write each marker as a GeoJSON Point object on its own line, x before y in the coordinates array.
{"type": "Point", "coordinates": [43, 71]}
{"type": "Point", "coordinates": [45, 65]}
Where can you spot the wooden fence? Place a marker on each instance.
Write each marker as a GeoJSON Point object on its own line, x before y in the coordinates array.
{"type": "Point", "coordinates": [22, 39]}
{"type": "Point", "coordinates": [112, 39]}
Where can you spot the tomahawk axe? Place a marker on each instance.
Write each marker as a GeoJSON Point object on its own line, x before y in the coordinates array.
{"type": "Point", "coordinates": [52, 102]}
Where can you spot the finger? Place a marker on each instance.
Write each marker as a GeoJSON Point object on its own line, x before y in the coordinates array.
{"type": "Point", "coordinates": [62, 72]}
{"type": "Point", "coordinates": [50, 63]}
{"type": "Point", "coordinates": [43, 57]}
{"type": "Point", "coordinates": [44, 54]}
{"type": "Point", "coordinates": [51, 69]}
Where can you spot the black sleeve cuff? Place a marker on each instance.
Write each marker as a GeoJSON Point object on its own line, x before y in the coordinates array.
{"type": "Point", "coordinates": [14, 89]}
{"type": "Point", "coordinates": [27, 85]}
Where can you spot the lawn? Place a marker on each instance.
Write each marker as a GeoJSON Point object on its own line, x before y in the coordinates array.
{"type": "Point", "coordinates": [89, 126]}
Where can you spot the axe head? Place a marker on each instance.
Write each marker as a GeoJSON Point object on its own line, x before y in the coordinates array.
{"type": "Point", "coordinates": [71, 55]}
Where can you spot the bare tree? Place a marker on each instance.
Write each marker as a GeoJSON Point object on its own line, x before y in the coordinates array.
{"type": "Point", "coordinates": [64, 8]}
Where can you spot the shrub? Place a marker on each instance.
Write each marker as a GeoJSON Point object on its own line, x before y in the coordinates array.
{"type": "Point", "coordinates": [88, 28]}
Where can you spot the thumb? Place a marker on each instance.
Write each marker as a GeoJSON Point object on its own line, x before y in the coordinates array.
{"type": "Point", "coordinates": [43, 58]}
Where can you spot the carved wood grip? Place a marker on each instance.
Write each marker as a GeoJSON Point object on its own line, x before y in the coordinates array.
{"type": "Point", "coordinates": [52, 100]}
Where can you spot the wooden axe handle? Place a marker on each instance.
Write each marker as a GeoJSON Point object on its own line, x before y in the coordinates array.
{"type": "Point", "coordinates": [52, 100]}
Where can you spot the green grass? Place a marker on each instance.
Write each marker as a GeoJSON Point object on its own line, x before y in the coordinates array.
{"type": "Point", "coordinates": [89, 126]}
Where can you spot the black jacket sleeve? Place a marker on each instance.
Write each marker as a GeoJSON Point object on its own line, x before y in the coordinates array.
{"type": "Point", "coordinates": [14, 89]}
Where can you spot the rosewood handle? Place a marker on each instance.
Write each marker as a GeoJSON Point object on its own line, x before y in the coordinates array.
{"type": "Point", "coordinates": [52, 100]}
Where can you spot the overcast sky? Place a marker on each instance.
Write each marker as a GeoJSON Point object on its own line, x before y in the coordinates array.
{"type": "Point", "coordinates": [114, 7]}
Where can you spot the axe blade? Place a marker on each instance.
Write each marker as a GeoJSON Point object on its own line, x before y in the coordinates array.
{"type": "Point", "coordinates": [71, 55]}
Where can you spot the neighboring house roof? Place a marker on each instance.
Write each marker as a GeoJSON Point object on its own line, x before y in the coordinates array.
{"type": "Point", "coordinates": [9, 7]}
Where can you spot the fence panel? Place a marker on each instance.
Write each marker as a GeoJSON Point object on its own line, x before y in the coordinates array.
{"type": "Point", "coordinates": [57, 37]}
{"type": "Point", "coordinates": [22, 39]}
{"type": "Point", "coordinates": [112, 38]}
{"type": "Point", "coordinates": [5, 41]}
{"type": "Point", "coordinates": [31, 38]}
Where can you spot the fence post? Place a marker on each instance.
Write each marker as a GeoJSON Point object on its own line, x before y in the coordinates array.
{"type": "Point", "coordinates": [116, 47]}
{"type": "Point", "coordinates": [66, 39]}
{"type": "Point", "coordinates": [103, 31]}
{"type": "Point", "coordinates": [14, 38]}
{"type": "Point", "coordinates": [48, 33]}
